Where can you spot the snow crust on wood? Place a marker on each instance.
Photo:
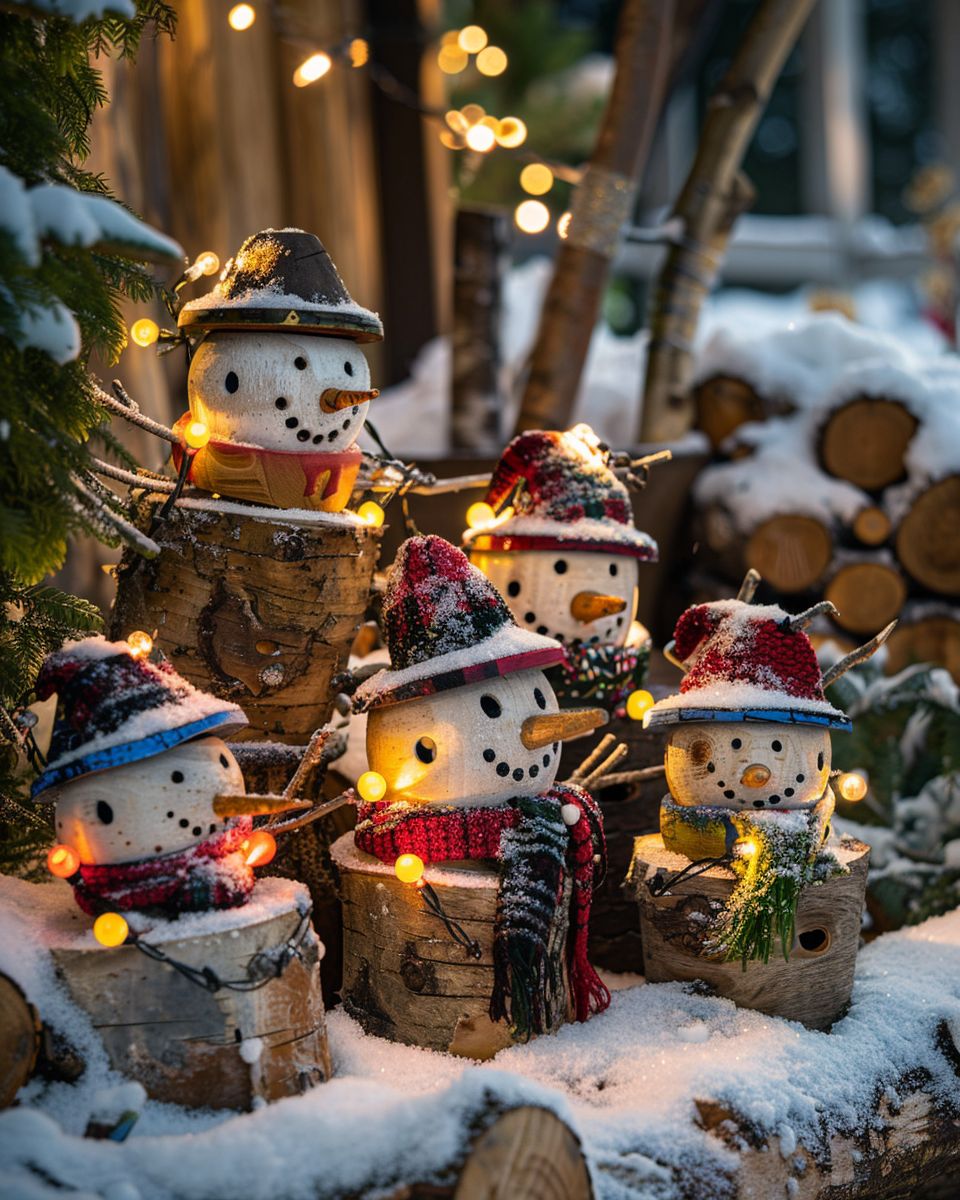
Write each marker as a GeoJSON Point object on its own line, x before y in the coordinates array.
{"type": "Point", "coordinates": [275, 516]}
{"type": "Point", "coordinates": [272, 297]}
{"type": "Point", "coordinates": [345, 853]}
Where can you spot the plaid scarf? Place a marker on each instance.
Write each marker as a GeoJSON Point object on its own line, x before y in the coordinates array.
{"type": "Point", "coordinates": [212, 874]}
{"type": "Point", "coordinates": [603, 674]}
{"type": "Point", "coordinates": [535, 850]}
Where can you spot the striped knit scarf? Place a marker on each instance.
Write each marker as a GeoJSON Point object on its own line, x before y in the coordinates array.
{"type": "Point", "coordinates": [601, 673]}
{"type": "Point", "coordinates": [535, 849]}
{"type": "Point", "coordinates": [212, 874]}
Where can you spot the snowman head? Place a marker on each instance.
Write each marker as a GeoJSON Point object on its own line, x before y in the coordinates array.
{"type": "Point", "coordinates": [748, 765]}
{"type": "Point", "coordinates": [280, 391]}
{"type": "Point", "coordinates": [570, 595]}
{"type": "Point", "coordinates": [157, 805]}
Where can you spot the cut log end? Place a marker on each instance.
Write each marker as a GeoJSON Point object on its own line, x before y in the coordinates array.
{"type": "Point", "coordinates": [864, 441]}
{"type": "Point", "coordinates": [934, 639]}
{"type": "Point", "coordinates": [527, 1154]}
{"type": "Point", "coordinates": [723, 404]}
{"type": "Point", "coordinates": [928, 539]}
{"type": "Point", "coordinates": [19, 1040]}
{"type": "Point", "coordinates": [791, 551]}
{"type": "Point", "coordinates": [867, 595]}
{"type": "Point", "coordinates": [871, 526]}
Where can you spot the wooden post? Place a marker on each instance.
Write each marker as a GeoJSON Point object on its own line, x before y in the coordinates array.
{"type": "Point", "coordinates": [812, 986]}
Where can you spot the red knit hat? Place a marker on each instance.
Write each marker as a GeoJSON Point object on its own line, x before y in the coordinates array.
{"type": "Point", "coordinates": [446, 625]}
{"type": "Point", "coordinates": [745, 662]}
{"type": "Point", "coordinates": [563, 496]}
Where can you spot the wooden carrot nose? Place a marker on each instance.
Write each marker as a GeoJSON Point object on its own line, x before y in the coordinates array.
{"type": "Point", "coordinates": [555, 727]}
{"type": "Point", "coordinates": [252, 805]}
{"type": "Point", "coordinates": [756, 775]}
{"type": "Point", "coordinates": [334, 399]}
{"type": "Point", "coordinates": [588, 606]}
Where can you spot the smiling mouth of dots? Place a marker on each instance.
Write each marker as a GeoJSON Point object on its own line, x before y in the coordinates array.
{"type": "Point", "coordinates": [306, 435]}
{"type": "Point", "coordinates": [730, 793]}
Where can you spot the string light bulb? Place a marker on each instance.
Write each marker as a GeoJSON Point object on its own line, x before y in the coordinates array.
{"type": "Point", "coordinates": [480, 514]}
{"type": "Point", "coordinates": [196, 435]}
{"type": "Point", "coordinates": [359, 52]}
{"type": "Point", "coordinates": [110, 929]}
{"type": "Point", "coordinates": [511, 132]}
{"type": "Point", "coordinates": [491, 61]}
{"type": "Point", "coordinates": [63, 861]}
{"type": "Point", "coordinates": [745, 848]}
{"type": "Point", "coordinates": [259, 848]}
{"type": "Point", "coordinates": [638, 703]}
{"type": "Point", "coordinates": [480, 138]}
{"type": "Point", "coordinates": [371, 514]}
{"type": "Point", "coordinates": [531, 216]}
{"type": "Point", "coordinates": [207, 263]}
{"type": "Point", "coordinates": [451, 59]}
{"type": "Point", "coordinates": [852, 786]}
{"type": "Point", "coordinates": [563, 225]}
{"type": "Point", "coordinates": [409, 868]}
{"type": "Point", "coordinates": [536, 178]}
{"type": "Point", "coordinates": [241, 17]}
{"type": "Point", "coordinates": [371, 786]}
{"type": "Point", "coordinates": [312, 69]}
{"type": "Point", "coordinates": [452, 141]}
{"type": "Point", "coordinates": [472, 39]}
{"type": "Point", "coordinates": [140, 643]}
{"type": "Point", "coordinates": [144, 332]}
{"type": "Point", "coordinates": [473, 114]}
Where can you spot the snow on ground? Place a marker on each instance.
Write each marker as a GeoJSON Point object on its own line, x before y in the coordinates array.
{"type": "Point", "coordinates": [626, 1082]}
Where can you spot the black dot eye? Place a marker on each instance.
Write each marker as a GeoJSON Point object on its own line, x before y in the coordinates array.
{"type": "Point", "coordinates": [491, 706]}
{"type": "Point", "coordinates": [736, 743]}
{"type": "Point", "coordinates": [224, 761]}
{"type": "Point", "coordinates": [560, 566]}
{"type": "Point", "coordinates": [303, 435]}
{"type": "Point", "coordinates": [540, 698]}
{"type": "Point", "coordinates": [348, 367]}
{"type": "Point", "coordinates": [778, 746]}
{"type": "Point", "coordinates": [614, 569]}
{"type": "Point", "coordinates": [300, 363]}
{"type": "Point", "coordinates": [104, 812]}
{"type": "Point", "coordinates": [177, 776]}
{"type": "Point", "coordinates": [280, 402]}
{"type": "Point", "coordinates": [820, 761]}
{"type": "Point", "coordinates": [530, 617]}
{"type": "Point", "coordinates": [513, 588]}
{"type": "Point", "coordinates": [231, 383]}
{"type": "Point", "coordinates": [489, 755]}
{"type": "Point", "coordinates": [801, 778]}
{"type": "Point", "coordinates": [426, 750]}
{"type": "Point", "coordinates": [291, 422]}
{"type": "Point", "coordinates": [788, 791]}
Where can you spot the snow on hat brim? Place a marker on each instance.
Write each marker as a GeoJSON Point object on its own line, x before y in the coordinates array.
{"type": "Point", "coordinates": [509, 649]}
{"type": "Point", "coordinates": [542, 533]}
{"type": "Point", "coordinates": [738, 702]}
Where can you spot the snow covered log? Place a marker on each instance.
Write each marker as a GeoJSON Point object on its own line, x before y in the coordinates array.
{"type": "Point", "coordinates": [404, 976]}
{"type": "Point", "coordinates": [526, 1154]}
{"type": "Point", "coordinates": [813, 985]}
{"type": "Point", "coordinates": [253, 604]}
{"type": "Point", "coordinates": [864, 441]}
{"type": "Point", "coordinates": [928, 537]}
{"type": "Point", "coordinates": [724, 403]}
{"type": "Point", "coordinates": [20, 1034]}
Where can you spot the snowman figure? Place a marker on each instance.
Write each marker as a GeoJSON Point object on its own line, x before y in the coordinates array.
{"type": "Point", "coordinates": [135, 767]}
{"type": "Point", "coordinates": [278, 381]}
{"type": "Point", "coordinates": [465, 731]}
{"type": "Point", "coordinates": [562, 548]}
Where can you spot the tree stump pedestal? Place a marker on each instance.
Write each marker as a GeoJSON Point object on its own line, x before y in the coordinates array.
{"type": "Point", "coordinates": [812, 986]}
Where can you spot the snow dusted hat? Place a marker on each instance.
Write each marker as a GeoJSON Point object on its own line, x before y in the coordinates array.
{"type": "Point", "coordinates": [446, 626]}
{"type": "Point", "coordinates": [115, 708]}
{"type": "Point", "coordinates": [564, 497]}
{"type": "Point", "coordinates": [284, 280]}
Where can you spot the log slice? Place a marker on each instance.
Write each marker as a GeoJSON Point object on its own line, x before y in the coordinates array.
{"type": "Point", "coordinates": [864, 441]}
{"type": "Point", "coordinates": [928, 538]}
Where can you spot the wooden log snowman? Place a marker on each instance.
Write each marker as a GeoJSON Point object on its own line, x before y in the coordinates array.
{"type": "Point", "coordinates": [559, 543]}
{"type": "Point", "coordinates": [153, 825]}
{"type": "Point", "coordinates": [463, 741]}
{"type": "Point", "coordinates": [744, 887]}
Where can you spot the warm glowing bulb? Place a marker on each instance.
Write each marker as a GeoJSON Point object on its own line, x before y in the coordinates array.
{"type": "Point", "coordinates": [638, 703]}
{"type": "Point", "coordinates": [409, 868]}
{"type": "Point", "coordinates": [207, 263]}
{"type": "Point", "coordinates": [480, 138]}
{"type": "Point", "coordinates": [63, 861]}
{"type": "Point", "coordinates": [450, 38]}
{"type": "Point", "coordinates": [140, 643]}
{"type": "Point", "coordinates": [451, 59]}
{"type": "Point", "coordinates": [371, 786]}
{"type": "Point", "coordinates": [511, 132]}
{"type": "Point", "coordinates": [110, 929]}
{"type": "Point", "coordinates": [456, 120]}
{"type": "Point", "coordinates": [852, 786]}
{"type": "Point", "coordinates": [259, 848]}
{"type": "Point", "coordinates": [536, 178]}
{"type": "Point", "coordinates": [745, 848]}
{"type": "Point", "coordinates": [452, 141]}
{"type": "Point", "coordinates": [145, 332]}
{"type": "Point", "coordinates": [371, 513]}
{"type": "Point", "coordinates": [241, 17]}
{"type": "Point", "coordinates": [532, 216]}
{"type": "Point", "coordinates": [473, 114]}
{"type": "Point", "coordinates": [312, 69]}
{"type": "Point", "coordinates": [472, 39]}
{"type": "Point", "coordinates": [196, 435]}
{"type": "Point", "coordinates": [563, 225]}
{"type": "Point", "coordinates": [480, 514]}
{"type": "Point", "coordinates": [491, 61]}
{"type": "Point", "coordinates": [359, 52]}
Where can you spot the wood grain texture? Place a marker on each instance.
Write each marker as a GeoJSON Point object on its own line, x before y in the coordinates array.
{"type": "Point", "coordinates": [790, 551]}
{"type": "Point", "coordinates": [928, 537]}
{"type": "Point", "coordinates": [527, 1154]}
{"type": "Point", "coordinates": [934, 638]}
{"type": "Point", "coordinates": [259, 610]}
{"type": "Point", "coordinates": [181, 1041]}
{"type": "Point", "coordinates": [872, 525]}
{"type": "Point", "coordinates": [864, 441]}
{"type": "Point", "coordinates": [868, 595]}
{"type": "Point", "coordinates": [19, 1040]}
{"type": "Point", "coordinates": [813, 986]}
{"type": "Point", "coordinates": [723, 404]}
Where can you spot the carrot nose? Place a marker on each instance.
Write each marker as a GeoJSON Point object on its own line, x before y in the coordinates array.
{"type": "Point", "coordinates": [588, 606]}
{"type": "Point", "coordinates": [756, 775]}
{"type": "Point", "coordinates": [252, 805]}
{"type": "Point", "coordinates": [555, 727]}
{"type": "Point", "coordinates": [334, 399]}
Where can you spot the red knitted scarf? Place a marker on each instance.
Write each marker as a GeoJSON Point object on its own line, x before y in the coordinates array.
{"type": "Point", "coordinates": [212, 874]}
{"type": "Point", "coordinates": [530, 841]}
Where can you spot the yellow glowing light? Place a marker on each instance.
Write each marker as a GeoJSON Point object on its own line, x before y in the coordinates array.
{"type": "Point", "coordinates": [371, 786]}
{"type": "Point", "coordinates": [196, 435]}
{"type": "Point", "coordinates": [472, 39]}
{"type": "Point", "coordinates": [563, 225]}
{"type": "Point", "coordinates": [491, 61]}
{"type": "Point", "coordinates": [241, 17]}
{"type": "Point", "coordinates": [63, 861]}
{"type": "Point", "coordinates": [532, 216]}
{"type": "Point", "coordinates": [207, 263]}
{"type": "Point", "coordinates": [473, 114]}
{"type": "Point", "coordinates": [745, 848]}
{"type": "Point", "coordinates": [511, 132]}
{"type": "Point", "coordinates": [312, 69]}
{"type": "Point", "coordinates": [409, 868]}
{"type": "Point", "coordinates": [480, 138]}
{"type": "Point", "coordinates": [359, 52]}
{"type": "Point", "coordinates": [371, 513]}
{"type": "Point", "coordinates": [259, 848]}
{"type": "Point", "coordinates": [638, 703]}
{"type": "Point", "coordinates": [536, 179]}
{"type": "Point", "coordinates": [456, 120]}
{"type": "Point", "coordinates": [145, 332]}
{"type": "Point", "coordinates": [852, 786]}
{"type": "Point", "coordinates": [110, 929]}
{"type": "Point", "coordinates": [450, 38]}
{"type": "Point", "coordinates": [452, 141]}
{"type": "Point", "coordinates": [452, 60]}
{"type": "Point", "coordinates": [480, 514]}
{"type": "Point", "coordinates": [140, 643]}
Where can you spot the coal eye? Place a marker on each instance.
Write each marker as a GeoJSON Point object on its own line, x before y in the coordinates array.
{"type": "Point", "coordinates": [491, 706]}
{"type": "Point", "coordinates": [348, 367]}
{"type": "Point", "coordinates": [300, 363]}
{"type": "Point", "coordinates": [736, 743]}
{"type": "Point", "coordinates": [426, 750]}
{"type": "Point", "coordinates": [280, 402]}
{"type": "Point", "coordinates": [177, 776]}
{"type": "Point", "coordinates": [614, 569]}
{"type": "Point", "coordinates": [231, 383]}
{"type": "Point", "coordinates": [540, 698]}
{"type": "Point", "coordinates": [560, 566]}
{"type": "Point", "coordinates": [820, 761]}
{"type": "Point", "coordinates": [513, 588]}
{"type": "Point", "coordinates": [224, 762]}
{"type": "Point", "coordinates": [776, 746]}
{"type": "Point", "coordinates": [104, 812]}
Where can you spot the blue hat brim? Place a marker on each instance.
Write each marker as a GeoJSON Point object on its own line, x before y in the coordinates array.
{"type": "Point", "coordinates": [777, 716]}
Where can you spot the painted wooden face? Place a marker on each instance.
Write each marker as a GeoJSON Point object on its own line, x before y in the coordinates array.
{"type": "Point", "coordinates": [549, 591]}
{"type": "Point", "coordinates": [748, 765]}
{"type": "Point", "coordinates": [265, 389]}
{"type": "Point", "coordinates": [151, 807]}
{"type": "Point", "coordinates": [463, 746]}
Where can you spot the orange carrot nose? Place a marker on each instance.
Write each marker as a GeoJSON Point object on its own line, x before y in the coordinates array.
{"type": "Point", "coordinates": [756, 775]}
{"type": "Point", "coordinates": [334, 399]}
{"type": "Point", "coordinates": [588, 606]}
{"type": "Point", "coordinates": [554, 727]}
